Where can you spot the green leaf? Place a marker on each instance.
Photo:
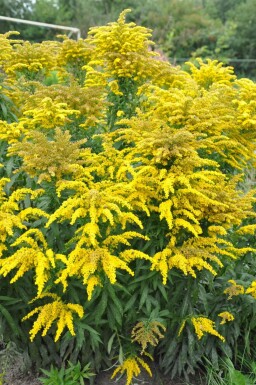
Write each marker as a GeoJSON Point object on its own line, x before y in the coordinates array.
{"type": "Point", "coordinates": [13, 325]}
{"type": "Point", "coordinates": [237, 378]}
{"type": "Point", "coordinates": [144, 295]}
{"type": "Point", "coordinates": [130, 303]}
{"type": "Point", "coordinates": [115, 299]}
{"type": "Point", "coordinates": [121, 355]}
{"type": "Point", "coordinates": [110, 342]}
{"type": "Point", "coordinates": [4, 110]}
{"type": "Point", "coordinates": [101, 307]}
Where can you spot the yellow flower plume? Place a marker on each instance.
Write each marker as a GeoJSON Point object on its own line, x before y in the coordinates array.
{"type": "Point", "coordinates": [51, 312]}
{"type": "Point", "coordinates": [132, 368]}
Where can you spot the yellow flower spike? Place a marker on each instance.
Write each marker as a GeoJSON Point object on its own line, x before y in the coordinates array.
{"type": "Point", "coordinates": [226, 317]}
{"type": "Point", "coordinates": [91, 283]}
{"type": "Point", "coordinates": [55, 311]}
{"type": "Point", "coordinates": [132, 369]}
{"type": "Point", "coordinates": [144, 365]}
{"type": "Point", "coordinates": [204, 325]}
{"type": "Point", "coordinates": [71, 52]}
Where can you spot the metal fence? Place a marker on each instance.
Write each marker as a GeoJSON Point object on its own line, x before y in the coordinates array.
{"type": "Point", "coordinates": [46, 25]}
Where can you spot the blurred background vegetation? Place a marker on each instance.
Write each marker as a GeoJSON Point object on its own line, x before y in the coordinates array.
{"type": "Point", "coordinates": [183, 29]}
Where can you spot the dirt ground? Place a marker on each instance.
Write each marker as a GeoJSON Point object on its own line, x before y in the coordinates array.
{"type": "Point", "coordinates": [101, 379]}
{"type": "Point", "coordinates": [16, 374]}
{"type": "Point", "coordinates": [13, 377]}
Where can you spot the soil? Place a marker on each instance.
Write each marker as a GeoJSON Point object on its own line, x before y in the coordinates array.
{"type": "Point", "coordinates": [16, 373]}
{"type": "Point", "coordinates": [14, 377]}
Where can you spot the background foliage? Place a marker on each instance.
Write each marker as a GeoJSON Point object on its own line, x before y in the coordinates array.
{"type": "Point", "coordinates": [223, 30]}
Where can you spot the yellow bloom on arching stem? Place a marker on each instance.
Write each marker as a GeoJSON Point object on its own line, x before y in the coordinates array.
{"type": "Point", "coordinates": [9, 219]}
{"type": "Point", "coordinates": [234, 289]}
{"type": "Point", "coordinates": [226, 317]}
{"type": "Point", "coordinates": [204, 325]}
{"type": "Point", "coordinates": [132, 368]}
{"type": "Point", "coordinates": [32, 254]}
{"type": "Point", "coordinates": [85, 263]}
{"type": "Point", "coordinates": [51, 312]}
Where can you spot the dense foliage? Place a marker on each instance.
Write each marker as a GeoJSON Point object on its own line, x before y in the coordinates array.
{"type": "Point", "coordinates": [125, 207]}
{"type": "Point", "coordinates": [222, 30]}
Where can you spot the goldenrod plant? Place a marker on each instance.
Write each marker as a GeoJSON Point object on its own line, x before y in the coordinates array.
{"type": "Point", "coordinates": [122, 200]}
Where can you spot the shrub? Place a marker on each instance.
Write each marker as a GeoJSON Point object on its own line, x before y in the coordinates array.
{"type": "Point", "coordinates": [122, 202]}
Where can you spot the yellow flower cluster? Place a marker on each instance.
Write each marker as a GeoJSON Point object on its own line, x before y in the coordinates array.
{"type": "Point", "coordinates": [30, 256]}
{"type": "Point", "coordinates": [234, 290]}
{"type": "Point", "coordinates": [203, 325]}
{"type": "Point", "coordinates": [49, 158]}
{"type": "Point", "coordinates": [226, 317]}
{"type": "Point", "coordinates": [11, 216]}
{"type": "Point", "coordinates": [49, 313]}
{"type": "Point", "coordinates": [6, 47]}
{"type": "Point", "coordinates": [131, 366]}
{"type": "Point", "coordinates": [123, 48]}
{"type": "Point", "coordinates": [211, 73]}
{"type": "Point", "coordinates": [71, 51]}
{"type": "Point", "coordinates": [49, 114]}
{"type": "Point", "coordinates": [31, 59]}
